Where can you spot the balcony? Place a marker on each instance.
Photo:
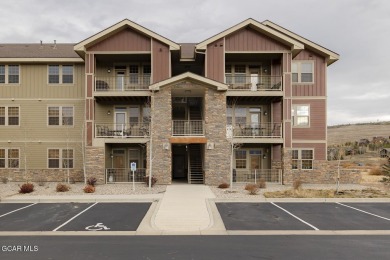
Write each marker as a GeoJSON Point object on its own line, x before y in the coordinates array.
{"type": "Point", "coordinates": [122, 83]}
{"type": "Point", "coordinates": [122, 130]}
{"type": "Point", "coordinates": [254, 83]}
{"type": "Point", "coordinates": [264, 130]}
{"type": "Point", "coordinates": [187, 128]}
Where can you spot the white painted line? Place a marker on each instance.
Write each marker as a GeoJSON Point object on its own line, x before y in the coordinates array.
{"type": "Point", "coordinates": [17, 210]}
{"type": "Point", "coordinates": [310, 225]}
{"type": "Point", "coordinates": [363, 211]}
{"type": "Point", "coordinates": [74, 217]}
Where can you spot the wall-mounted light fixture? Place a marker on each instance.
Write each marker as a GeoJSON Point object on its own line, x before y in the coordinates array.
{"type": "Point", "coordinates": [265, 113]}
{"type": "Point", "coordinates": [111, 155]}
{"type": "Point", "coordinates": [264, 156]}
{"type": "Point", "coordinates": [108, 112]}
{"type": "Point", "coordinates": [108, 70]}
{"type": "Point", "coordinates": [166, 146]}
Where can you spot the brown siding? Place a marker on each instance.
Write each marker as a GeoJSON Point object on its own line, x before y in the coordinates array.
{"type": "Point", "coordinates": [160, 59]}
{"type": "Point", "coordinates": [277, 153]}
{"type": "Point", "coordinates": [319, 150]}
{"type": "Point", "coordinates": [125, 40]}
{"type": "Point", "coordinates": [317, 129]}
{"type": "Point", "coordinates": [215, 61]}
{"type": "Point", "coordinates": [248, 39]}
{"type": "Point", "coordinates": [277, 111]}
{"type": "Point", "coordinates": [319, 87]}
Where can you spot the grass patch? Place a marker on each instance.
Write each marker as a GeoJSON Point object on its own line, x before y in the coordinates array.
{"type": "Point", "coordinates": [311, 193]}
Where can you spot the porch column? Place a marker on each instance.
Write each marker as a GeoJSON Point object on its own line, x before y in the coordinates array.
{"type": "Point", "coordinates": [89, 99]}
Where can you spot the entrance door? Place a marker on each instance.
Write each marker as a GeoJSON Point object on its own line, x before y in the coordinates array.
{"type": "Point", "coordinates": [120, 80]}
{"type": "Point", "coordinates": [120, 122]}
{"type": "Point", "coordinates": [179, 162]}
{"type": "Point", "coordinates": [255, 117]}
{"type": "Point", "coordinates": [255, 162]}
{"type": "Point", "coordinates": [118, 163]}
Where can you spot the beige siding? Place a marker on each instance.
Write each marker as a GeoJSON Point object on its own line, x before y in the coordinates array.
{"type": "Point", "coordinates": [318, 88]}
{"type": "Point", "coordinates": [248, 39]}
{"type": "Point", "coordinates": [215, 61]}
{"type": "Point", "coordinates": [34, 84]}
{"type": "Point", "coordinates": [160, 58]}
{"type": "Point", "coordinates": [319, 150]}
{"type": "Point", "coordinates": [125, 40]}
{"type": "Point", "coordinates": [317, 129]}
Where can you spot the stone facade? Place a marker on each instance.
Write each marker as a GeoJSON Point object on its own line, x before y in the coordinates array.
{"type": "Point", "coordinates": [161, 132]}
{"type": "Point", "coordinates": [94, 164]}
{"type": "Point", "coordinates": [217, 160]}
{"type": "Point", "coordinates": [42, 175]}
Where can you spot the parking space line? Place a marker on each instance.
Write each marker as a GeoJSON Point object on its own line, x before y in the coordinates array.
{"type": "Point", "coordinates": [17, 210]}
{"type": "Point", "coordinates": [74, 217]}
{"type": "Point", "coordinates": [363, 211]}
{"type": "Point", "coordinates": [310, 225]}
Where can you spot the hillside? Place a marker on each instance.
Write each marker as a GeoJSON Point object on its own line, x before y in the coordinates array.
{"type": "Point", "coordinates": [341, 134]}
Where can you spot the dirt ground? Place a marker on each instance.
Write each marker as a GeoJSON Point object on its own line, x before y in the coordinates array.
{"type": "Point", "coordinates": [351, 133]}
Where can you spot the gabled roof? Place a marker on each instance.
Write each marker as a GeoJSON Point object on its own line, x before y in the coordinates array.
{"type": "Point", "coordinates": [189, 75]}
{"type": "Point", "coordinates": [81, 46]}
{"type": "Point", "coordinates": [332, 56]}
{"type": "Point", "coordinates": [296, 46]}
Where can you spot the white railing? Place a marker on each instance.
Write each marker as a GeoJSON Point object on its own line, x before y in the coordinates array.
{"type": "Point", "coordinates": [122, 130]}
{"type": "Point", "coordinates": [187, 127]}
{"type": "Point", "coordinates": [254, 176]}
{"type": "Point", "coordinates": [264, 130]}
{"type": "Point", "coordinates": [122, 83]}
{"type": "Point", "coordinates": [125, 175]}
{"type": "Point", "coordinates": [254, 82]}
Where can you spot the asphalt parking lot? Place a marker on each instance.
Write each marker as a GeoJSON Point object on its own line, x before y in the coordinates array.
{"type": "Point", "coordinates": [305, 216]}
{"type": "Point", "coordinates": [72, 216]}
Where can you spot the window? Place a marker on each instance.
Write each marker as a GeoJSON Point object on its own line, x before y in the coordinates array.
{"type": "Point", "coordinates": [300, 115]}
{"type": "Point", "coordinates": [60, 158]}
{"type": "Point", "coordinates": [9, 74]}
{"type": "Point", "coordinates": [9, 115]}
{"type": "Point", "coordinates": [240, 74]}
{"type": "Point", "coordinates": [302, 71]}
{"type": "Point", "coordinates": [9, 158]}
{"type": "Point", "coordinates": [229, 116]}
{"type": "Point", "coordinates": [60, 116]}
{"type": "Point", "coordinates": [147, 73]}
{"type": "Point", "coordinates": [134, 116]}
{"type": "Point", "coordinates": [240, 115]}
{"type": "Point", "coordinates": [146, 114]}
{"type": "Point", "coordinates": [133, 69]}
{"type": "Point", "coordinates": [302, 159]}
{"type": "Point", "coordinates": [60, 74]}
{"type": "Point", "coordinates": [228, 74]}
{"type": "Point", "coordinates": [241, 159]}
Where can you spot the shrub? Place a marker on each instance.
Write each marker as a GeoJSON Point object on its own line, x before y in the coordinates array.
{"type": "Point", "coordinates": [26, 188]}
{"type": "Point", "coordinates": [297, 184]}
{"type": "Point", "coordinates": [146, 180]}
{"type": "Point", "coordinates": [91, 181]}
{"type": "Point", "coordinates": [89, 189]}
{"type": "Point", "coordinates": [252, 188]}
{"type": "Point", "coordinates": [375, 171]}
{"type": "Point", "coordinates": [262, 184]}
{"type": "Point", "coordinates": [4, 180]}
{"type": "Point", "coordinates": [223, 185]}
{"type": "Point", "coordinates": [62, 187]}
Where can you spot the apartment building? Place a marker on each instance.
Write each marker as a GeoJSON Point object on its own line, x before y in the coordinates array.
{"type": "Point", "coordinates": [245, 104]}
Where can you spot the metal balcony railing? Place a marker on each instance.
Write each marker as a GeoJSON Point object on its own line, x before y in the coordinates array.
{"type": "Point", "coordinates": [122, 83]}
{"type": "Point", "coordinates": [187, 127]}
{"type": "Point", "coordinates": [254, 82]}
{"type": "Point", "coordinates": [254, 176]}
{"type": "Point", "coordinates": [122, 130]}
{"type": "Point", "coordinates": [125, 175]}
{"type": "Point", "coordinates": [264, 130]}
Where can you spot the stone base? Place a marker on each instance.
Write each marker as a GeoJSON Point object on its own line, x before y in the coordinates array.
{"type": "Point", "coordinates": [42, 175]}
{"type": "Point", "coordinates": [94, 157]}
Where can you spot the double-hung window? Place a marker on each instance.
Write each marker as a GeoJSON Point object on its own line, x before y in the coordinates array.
{"type": "Point", "coordinates": [60, 74]}
{"type": "Point", "coordinates": [60, 158]}
{"type": "Point", "coordinates": [9, 74]}
{"type": "Point", "coordinates": [60, 115]}
{"type": "Point", "coordinates": [9, 158]}
{"type": "Point", "coordinates": [241, 160]}
{"type": "Point", "coordinates": [302, 159]}
{"type": "Point", "coordinates": [302, 71]}
{"type": "Point", "coordinates": [9, 115]}
{"type": "Point", "coordinates": [301, 115]}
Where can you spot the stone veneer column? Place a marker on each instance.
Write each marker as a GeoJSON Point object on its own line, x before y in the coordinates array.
{"type": "Point", "coordinates": [217, 160]}
{"type": "Point", "coordinates": [161, 132]}
{"type": "Point", "coordinates": [94, 159]}
{"type": "Point", "coordinates": [288, 174]}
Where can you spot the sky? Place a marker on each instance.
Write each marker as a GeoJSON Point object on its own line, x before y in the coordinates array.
{"type": "Point", "coordinates": [358, 30]}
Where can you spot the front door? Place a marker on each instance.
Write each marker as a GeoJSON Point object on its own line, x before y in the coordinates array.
{"type": "Point", "coordinates": [120, 122]}
{"type": "Point", "coordinates": [120, 80]}
{"type": "Point", "coordinates": [255, 162]}
{"type": "Point", "coordinates": [118, 163]}
{"type": "Point", "coordinates": [255, 117]}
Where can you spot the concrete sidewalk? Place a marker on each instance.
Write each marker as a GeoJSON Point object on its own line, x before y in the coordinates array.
{"type": "Point", "coordinates": [184, 208]}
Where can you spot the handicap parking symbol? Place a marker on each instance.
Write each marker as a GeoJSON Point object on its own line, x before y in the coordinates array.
{"type": "Point", "coordinates": [97, 227]}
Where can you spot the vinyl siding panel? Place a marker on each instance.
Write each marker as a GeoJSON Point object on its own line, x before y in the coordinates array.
{"type": "Point", "coordinates": [248, 39]}
{"type": "Point", "coordinates": [215, 61]}
{"type": "Point", "coordinates": [319, 150]}
{"type": "Point", "coordinates": [160, 58]}
{"type": "Point", "coordinates": [319, 86]}
{"type": "Point", "coordinates": [125, 40]}
{"type": "Point", "coordinates": [317, 129]}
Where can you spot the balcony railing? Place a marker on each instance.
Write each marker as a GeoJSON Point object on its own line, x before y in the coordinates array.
{"type": "Point", "coordinates": [187, 127]}
{"type": "Point", "coordinates": [254, 83]}
{"type": "Point", "coordinates": [122, 130]}
{"type": "Point", "coordinates": [264, 130]}
{"type": "Point", "coordinates": [125, 175]}
{"type": "Point", "coordinates": [256, 175]}
{"type": "Point", "coordinates": [122, 83]}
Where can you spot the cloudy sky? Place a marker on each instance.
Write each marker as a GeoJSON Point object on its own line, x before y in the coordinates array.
{"type": "Point", "coordinates": [359, 30]}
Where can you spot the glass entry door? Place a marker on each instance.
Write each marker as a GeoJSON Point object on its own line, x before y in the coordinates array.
{"type": "Point", "coordinates": [120, 80]}
{"type": "Point", "coordinates": [255, 162]}
{"type": "Point", "coordinates": [120, 122]}
{"type": "Point", "coordinates": [255, 117]}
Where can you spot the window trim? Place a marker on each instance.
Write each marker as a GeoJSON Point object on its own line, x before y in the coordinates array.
{"type": "Point", "coordinates": [6, 115]}
{"type": "Point", "coordinates": [6, 74]}
{"type": "Point", "coordinates": [299, 160]}
{"type": "Point", "coordinates": [60, 157]}
{"type": "Point", "coordinates": [60, 75]}
{"type": "Point", "coordinates": [299, 72]}
{"type": "Point", "coordinates": [60, 116]}
{"type": "Point", "coordinates": [294, 116]}
{"type": "Point", "coordinates": [6, 157]}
